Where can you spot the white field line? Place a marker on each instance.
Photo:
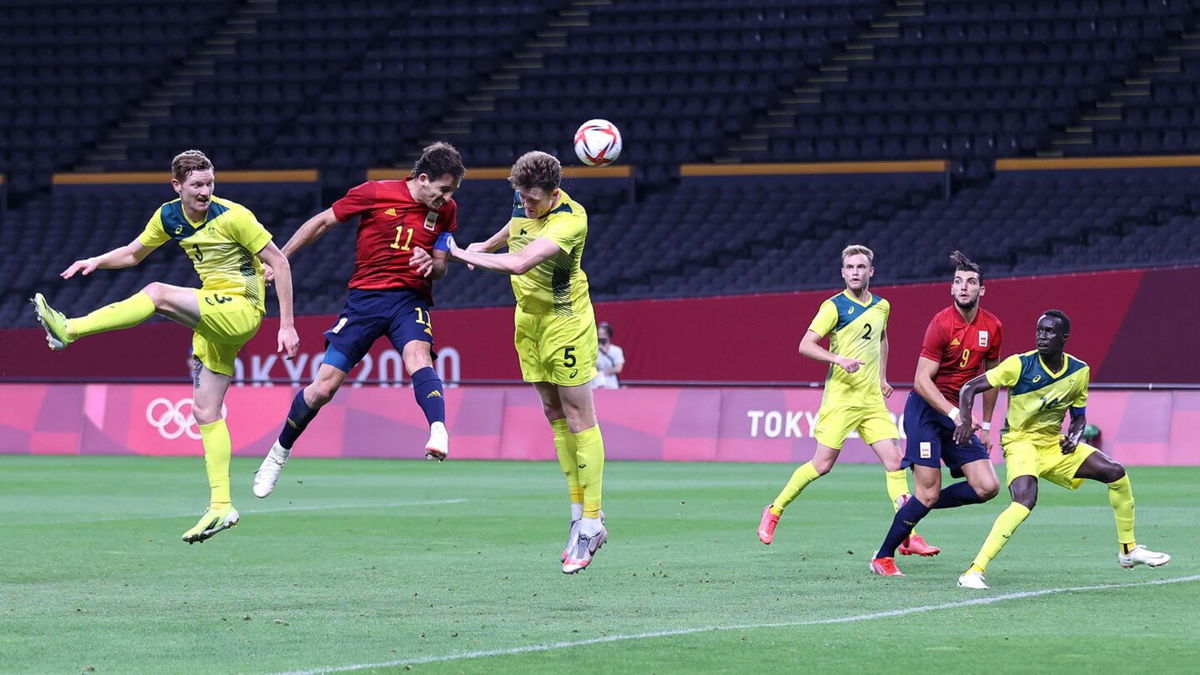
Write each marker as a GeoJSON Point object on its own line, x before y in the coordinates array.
{"type": "Point", "coordinates": [690, 631]}
{"type": "Point", "coordinates": [251, 511]}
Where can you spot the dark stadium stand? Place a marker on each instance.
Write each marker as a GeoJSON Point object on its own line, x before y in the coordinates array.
{"type": "Point", "coordinates": [262, 84]}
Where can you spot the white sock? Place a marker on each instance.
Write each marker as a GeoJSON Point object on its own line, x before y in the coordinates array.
{"type": "Point", "coordinates": [437, 427]}
{"type": "Point", "coordinates": [576, 511]}
{"type": "Point", "coordinates": [590, 527]}
{"type": "Point", "coordinates": [279, 451]}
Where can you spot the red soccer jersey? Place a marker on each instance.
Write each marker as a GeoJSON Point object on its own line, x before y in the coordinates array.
{"type": "Point", "coordinates": [960, 347]}
{"type": "Point", "coordinates": [392, 224]}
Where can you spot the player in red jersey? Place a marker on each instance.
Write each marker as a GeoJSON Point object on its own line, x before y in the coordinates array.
{"type": "Point", "coordinates": [402, 242]}
{"type": "Point", "coordinates": [957, 342]}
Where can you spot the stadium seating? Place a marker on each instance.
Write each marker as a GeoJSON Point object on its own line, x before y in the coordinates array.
{"type": "Point", "coordinates": [307, 84]}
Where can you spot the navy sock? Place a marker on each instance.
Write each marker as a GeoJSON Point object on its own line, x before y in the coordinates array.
{"type": "Point", "coordinates": [298, 418]}
{"type": "Point", "coordinates": [957, 495]}
{"type": "Point", "coordinates": [427, 388]}
{"type": "Point", "coordinates": [902, 525]}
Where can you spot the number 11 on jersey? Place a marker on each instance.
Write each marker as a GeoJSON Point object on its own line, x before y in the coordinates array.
{"type": "Point", "coordinates": [400, 233]}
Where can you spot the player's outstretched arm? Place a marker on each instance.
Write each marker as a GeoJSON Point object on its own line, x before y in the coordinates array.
{"type": "Point", "coordinates": [538, 251]}
{"type": "Point", "coordinates": [811, 349]}
{"type": "Point", "coordinates": [964, 425]}
{"type": "Point", "coordinates": [273, 258]}
{"type": "Point", "coordinates": [492, 243]}
{"type": "Point", "coordinates": [125, 256]}
{"type": "Point", "coordinates": [313, 229]}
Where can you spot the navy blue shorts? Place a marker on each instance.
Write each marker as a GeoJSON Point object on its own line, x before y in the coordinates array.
{"type": "Point", "coordinates": [401, 315]}
{"type": "Point", "coordinates": [930, 439]}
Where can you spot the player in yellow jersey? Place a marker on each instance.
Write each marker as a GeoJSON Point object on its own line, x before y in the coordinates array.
{"type": "Point", "coordinates": [555, 332]}
{"type": "Point", "coordinates": [856, 322]}
{"type": "Point", "coordinates": [1043, 386]}
{"type": "Point", "coordinates": [227, 246]}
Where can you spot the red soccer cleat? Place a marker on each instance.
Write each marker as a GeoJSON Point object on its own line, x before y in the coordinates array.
{"type": "Point", "coordinates": [766, 526]}
{"type": "Point", "coordinates": [916, 545]}
{"type": "Point", "coordinates": [885, 567]}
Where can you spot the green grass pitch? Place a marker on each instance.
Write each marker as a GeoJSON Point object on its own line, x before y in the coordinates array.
{"type": "Point", "coordinates": [382, 566]}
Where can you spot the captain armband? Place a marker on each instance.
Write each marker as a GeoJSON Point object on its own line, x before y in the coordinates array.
{"type": "Point", "coordinates": [1078, 412]}
{"type": "Point", "coordinates": [443, 242]}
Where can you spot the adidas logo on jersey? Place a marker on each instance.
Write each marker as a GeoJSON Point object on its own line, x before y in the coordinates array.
{"type": "Point", "coordinates": [955, 342]}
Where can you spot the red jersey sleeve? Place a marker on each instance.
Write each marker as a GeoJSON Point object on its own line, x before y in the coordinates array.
{"type": "Point", "coordinates": [933, 347]}
{"type": "Point", "coordinates": [450, 211]}
{"type": "Point", "coordinates": [357, 200]}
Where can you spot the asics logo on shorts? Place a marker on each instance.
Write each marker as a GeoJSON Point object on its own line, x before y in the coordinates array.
{"type": "Point", "coordinates": [174, 419]}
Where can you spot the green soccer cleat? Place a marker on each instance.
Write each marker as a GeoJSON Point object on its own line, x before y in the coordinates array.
{"type": "Point", "coordinates": [53, 321]}
{"type": "Point", "coordinates": [213, 521]}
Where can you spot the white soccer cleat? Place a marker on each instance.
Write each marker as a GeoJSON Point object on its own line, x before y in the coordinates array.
{"type": "Point", "coordinates": [268, 472]}
{"type": "Point", "coordinates": [438, 445]}
{"type": "Point", "coordinates": [585, 548]}
{"type": "Point", "coordinates": [972, 579]}
{"type": "Point", "coordinates": [573, 534]}
{"type": "Point", "coordinates": [1140, 555]}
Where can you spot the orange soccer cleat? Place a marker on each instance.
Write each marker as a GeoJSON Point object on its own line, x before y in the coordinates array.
{"type": "Point", "coordinates": [766, 526]}
{"type": "Point", "coordinates": [885, 567]}
{"type": "Point", "coordinates": [916, 545]}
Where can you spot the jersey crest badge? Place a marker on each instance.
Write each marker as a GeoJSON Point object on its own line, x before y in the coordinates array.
{"type": "Point", "coordinates": [430, 220]}
{"type": "Point", "coordinates": [983, 338]}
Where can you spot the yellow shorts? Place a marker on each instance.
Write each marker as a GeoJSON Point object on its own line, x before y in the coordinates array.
{"type": "Point", "coordinates": [836, 421]}
{"type": "Point", "coordinates": [227, 322]}
{"type": "Point", "coordinates": [1027, 458]}
{"type": "Point", "coordinates": [556, 349]}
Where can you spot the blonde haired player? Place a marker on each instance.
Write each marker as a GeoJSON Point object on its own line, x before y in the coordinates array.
{"type": "Point", "coordinates": [227, 246]}
{"type": "Point", "coordinates": [856, 322]}
{"type": "Point", "coordinates": [555, 332]}
{"type": "Point", "coordinates": [1044, 385]}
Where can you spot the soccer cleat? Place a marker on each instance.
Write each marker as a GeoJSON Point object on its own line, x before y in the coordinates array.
{"type": "Point", "coordinates": [885, 567]}
{"type": "Point", "coordinates": [438, 445]}
{"type": "Point", "coordinates": [212, 522]}
{"type": "Point", "coordinates": [585, 548]}
{"type": "Point", "coordinates": [916, 545]}
{"type": "Point", "coordinates": [972, 579]}
{"type": "Point", "coordinates": [1140, 555]}
{"type": "Point", "coordinates": [766, 526]}
{"type": "Point", "coordinates": [268, 472]}
{"type": "Point", "coordinates": [53, 321]}
{"type": "Point", "coordinates": [573, 533]}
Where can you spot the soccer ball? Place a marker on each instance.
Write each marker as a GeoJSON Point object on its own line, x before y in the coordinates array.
{"type": "Point", "coordinates": [598, 143]}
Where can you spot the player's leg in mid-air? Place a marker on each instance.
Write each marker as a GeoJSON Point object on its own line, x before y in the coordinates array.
{"type": "Point", "coordinates": [411, 333]}
{"type": "Point", "coordinates": [558, 356]}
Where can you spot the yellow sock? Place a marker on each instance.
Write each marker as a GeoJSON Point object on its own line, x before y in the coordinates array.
{"type": "Point", "coordinates": [564, 446]}
{"type": "Point", "coordinates": [1120, 495]}
{"type": "Point", "coordinates": [1004, 527]}
{"type": "Point", "coordinates": [122, 314]}
{"type": "Point", "coordinates": [897, 485]}
{"type": "Point", "coordinates": [800, 479]}
{"type": "Point", "coordinates": [589, 456]}
{"type": "Point", "coordinates": [217, 449]}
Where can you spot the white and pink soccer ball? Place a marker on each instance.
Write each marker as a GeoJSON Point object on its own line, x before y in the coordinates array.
{"type": "Point", "coordinates": [598, 143]}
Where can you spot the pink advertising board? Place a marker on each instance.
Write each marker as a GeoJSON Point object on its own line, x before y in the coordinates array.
{"type": "Point", "coordinates": [640, 423]}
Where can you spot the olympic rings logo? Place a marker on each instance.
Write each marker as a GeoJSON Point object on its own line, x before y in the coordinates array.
{"type": "Point", "coordinates": [174, 419]}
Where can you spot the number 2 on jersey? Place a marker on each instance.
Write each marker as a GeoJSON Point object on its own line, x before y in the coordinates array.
{"type": "Point", "coordinates": [400, 233]}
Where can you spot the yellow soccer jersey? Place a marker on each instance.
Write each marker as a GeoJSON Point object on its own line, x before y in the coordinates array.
{"type": "Point", "coordinates": [856, 331]}
{"type": "Point", "coordinates": [1037, 398]}
{"type": "Point", "coordinates": [557, 285]}
{"type": "Point", "coordinates": [223, 248]}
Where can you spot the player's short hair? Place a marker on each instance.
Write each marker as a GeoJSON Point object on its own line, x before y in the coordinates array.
{"type": "Point", "coordinates": [964, 264]}
{"type": "Point", "coordinates": [1061, 316]}
{"type": "Point", "coordinates": [187, 162]}
{"type": "Point", "coordinates": [439, 159]}
{"type": "Point", "coordinates": [536, 169]}
{"type": "Point", "coordinates": [858, 249]}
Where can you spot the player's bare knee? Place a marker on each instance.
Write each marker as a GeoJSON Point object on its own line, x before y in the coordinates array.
{"type": "Point", "coordinates": [928, 495]}
{"type": "Point", "coordinates": [157, 293]}
{"type": "Point", "coordinates": [822, 466]}
{"type": "Point", "coordinates": [417, 355]}
{"type": "Point", "coordinates": [206, 413]}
